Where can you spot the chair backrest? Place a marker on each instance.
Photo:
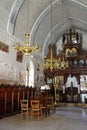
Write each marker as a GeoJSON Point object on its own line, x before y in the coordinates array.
{"type": "Point", "coordinates": [35, 104]}
{"type": "Point", "coordinates": [50, 100]}
{"type": "Point", "coordinates": [24, 104]}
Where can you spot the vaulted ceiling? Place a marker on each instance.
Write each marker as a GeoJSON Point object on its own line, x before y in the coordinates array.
{"type": "Point", "coordinates": [18, 17]}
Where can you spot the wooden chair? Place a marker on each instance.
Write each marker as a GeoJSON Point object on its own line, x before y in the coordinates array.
{"type": "Point", "coordinates": [24, 109]}
{"type": "Point", "coordinates": [36, 110]}
{"type": "Point", "coordinates": [51, 103]}
{"type": "Point", "coordinates": [44, 107]}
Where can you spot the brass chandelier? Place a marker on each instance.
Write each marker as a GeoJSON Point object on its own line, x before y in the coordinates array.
{"type": "Point", "coordinates": [51, 62]}
{"type": "Point", "coordinates": [27, 49]}
{"type": "Point", "coordinates": [54, 63]}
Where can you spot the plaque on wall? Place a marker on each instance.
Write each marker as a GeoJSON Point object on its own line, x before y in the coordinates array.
{"type": "Point", "coordinates": [19, 57]}
{"type": "Point", "coordinates": [4, 47]}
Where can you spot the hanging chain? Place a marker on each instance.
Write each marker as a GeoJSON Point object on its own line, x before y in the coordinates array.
{"type": "Point", "coordinates": [51, 23]}
{"type": "Point", "coordinates": [28, 14]}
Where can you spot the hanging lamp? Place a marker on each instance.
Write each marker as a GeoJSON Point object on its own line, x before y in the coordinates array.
{"type": "Point", "coordinates": [50, 62]}
{"type": "Point", "coordinates": [27, 49]}
{"type": "Point", "coordinates": [62, 63]}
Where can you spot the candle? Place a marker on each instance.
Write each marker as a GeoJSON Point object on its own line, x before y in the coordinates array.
{"type": "Point", "coordinates": [55, 79]}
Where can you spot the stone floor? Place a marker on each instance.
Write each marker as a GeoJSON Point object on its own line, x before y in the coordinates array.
{"type": "Point", "coordinates": [65, 118]}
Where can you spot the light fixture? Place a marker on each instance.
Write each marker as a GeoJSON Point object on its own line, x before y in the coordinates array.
{"type": "Point", "coordinates": [26, 49]}
{"type": "Point", "coordinates": [62, 63]}
{"type": "Point", "coordinates": [50, 62]}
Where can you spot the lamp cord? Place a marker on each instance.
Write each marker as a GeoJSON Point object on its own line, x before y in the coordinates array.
{"type": "Point", "coordinates": [51, 22]}
{"type": "Point", "coordinates": [28, 14]}
{"type": "Point", "coordinates": [62, 12]}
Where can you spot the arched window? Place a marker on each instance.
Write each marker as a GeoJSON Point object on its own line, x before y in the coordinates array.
{"type": "Point", "coordinates": [31, 74]}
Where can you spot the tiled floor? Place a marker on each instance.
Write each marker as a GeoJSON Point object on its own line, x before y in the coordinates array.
{"type": "Point", "coordinates": [65, 118]}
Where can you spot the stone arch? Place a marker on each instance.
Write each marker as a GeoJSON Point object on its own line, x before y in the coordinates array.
{"type": "Point", "coordinates": [13, 14]}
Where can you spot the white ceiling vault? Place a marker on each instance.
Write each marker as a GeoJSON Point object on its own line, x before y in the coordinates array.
{"type": "Point", "coordinates": [69, 14]}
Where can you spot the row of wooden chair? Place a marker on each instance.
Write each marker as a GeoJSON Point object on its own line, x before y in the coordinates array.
{"type": "Point", "coordinates": [37, 109]}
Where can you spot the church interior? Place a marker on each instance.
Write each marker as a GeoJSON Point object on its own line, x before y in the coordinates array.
{"type": "Point", "coordinates": [43, 64]}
